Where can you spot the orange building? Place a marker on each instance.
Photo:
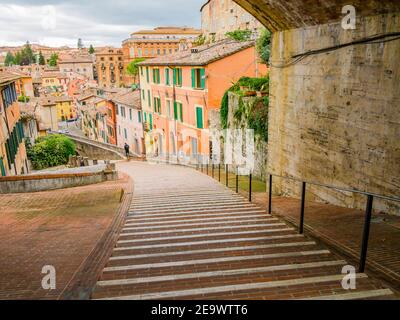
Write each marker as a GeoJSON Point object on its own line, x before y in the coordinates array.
{"type": "Point", "coordinates": [13, 159]}
{"type": "Point", "coordinates": [110, 68]}
{"type": "Point", "coordinates": [179, 91]}
{"type": "Point", "coordinates": [157, 42]}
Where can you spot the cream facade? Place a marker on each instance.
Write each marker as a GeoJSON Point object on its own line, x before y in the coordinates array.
{"type": "Point", "coordinates": [221, 16]}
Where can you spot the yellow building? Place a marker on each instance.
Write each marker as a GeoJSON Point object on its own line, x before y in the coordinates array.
{"type": "Point", "coordinates": [65, 108]}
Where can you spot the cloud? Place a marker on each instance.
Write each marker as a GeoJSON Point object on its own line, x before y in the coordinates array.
{"type": "Point", "coordinates": [98, 22]}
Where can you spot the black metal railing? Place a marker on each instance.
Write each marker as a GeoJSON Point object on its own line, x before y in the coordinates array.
{"type": "Point", "coordinates": [206, 168]}
{"type": "Point", "coordinates": [368, 211]}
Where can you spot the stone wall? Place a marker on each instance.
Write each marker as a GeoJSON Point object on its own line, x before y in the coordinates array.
{"type": "Point", "coordinates": [334, 117]}
{"type": "Point", "coordinates": [261, 147]}
{"type": "Point", "coordinates": [36, 183]}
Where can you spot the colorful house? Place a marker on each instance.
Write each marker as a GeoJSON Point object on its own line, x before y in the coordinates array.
{"type": "Point", "coordinates": [129, 121]}
{"type": "Point", "coordinates": [179, 91]}
{"type": "Point", "coordinates": [47, 115]}
{"type": "Point", "coordinates": [13, 159]}
{"type": "Point", "coordinates": [65, 109]}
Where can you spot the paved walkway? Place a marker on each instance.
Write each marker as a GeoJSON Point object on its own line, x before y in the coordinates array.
{"type": "Point", "coordinates": [60, 228]}
{"type": "Point", "coordinates": [187, 237]}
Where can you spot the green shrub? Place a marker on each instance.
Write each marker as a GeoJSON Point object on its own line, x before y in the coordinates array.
{"type": "Point", "coordinates": [264, 46]}
{"type": "Point", "coordinates": [51, 151]}
{"type": "Point", "coordinates": [239, 35]}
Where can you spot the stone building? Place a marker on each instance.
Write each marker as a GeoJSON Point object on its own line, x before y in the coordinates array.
{"type": "Point", "coordinates": [334, 112]}
{"type": "Point", "coordinates": [221, 16]}
{"type": "Point", "coordinates": [110, 68]}
{"type": "Point", "coordinates": [82, 65]}
{"type": "Point", "coordinates": [157, 42]}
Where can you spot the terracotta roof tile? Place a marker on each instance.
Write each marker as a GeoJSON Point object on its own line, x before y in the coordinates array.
{"type": "Point", "coordinates": [205, 54]}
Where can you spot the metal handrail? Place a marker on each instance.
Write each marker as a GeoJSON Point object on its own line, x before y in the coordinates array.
{"type": "Point", "coordinates": [368, 210]}
{"type": "Point", "coordinates": [375, 195]}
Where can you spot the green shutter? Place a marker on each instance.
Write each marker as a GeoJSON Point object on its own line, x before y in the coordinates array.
{"type": "Point", "coordinates": [174, 76]}
{"type": "Point", "coordinates": [203, 78]}
{"type": "Point", "coordinates": [2, 168]}
{"type": "Point", "coordinates": [145, 117]}
{"type": "Point", "coordinates": [167, 76]}
{"type": "Point", "coordinates": [180, 77]}
{"type": "Point", "coordinates": [151, 121]}
{"type": "Point", "coordinates": [149, 96]}
{"type": "Point", "coordinates": [155, 104]}
{"type": "Point", "coordinates": [175, 110]}
{"type": "Point", "coordinates": [147, 74]}
{"type": "Point", "coordinates": [194, 78]}
{"type": "Point", "coordinates": [199, 117]}
{"type": "Point", "coordinates": [181, 111]}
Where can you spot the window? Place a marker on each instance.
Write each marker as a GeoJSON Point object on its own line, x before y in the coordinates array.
{"type": "Point", "coordinates": [198, 78]}
{"type": "Point", "coordinates": [139, 52]}
{"type": "Point", "coordinates": [149, 98]}
{"type": "Point", "coordinates": [9, 95]}
{"type": "Point", "coordinates": [140, 116]}
{"type": "Point", "coordinates": [125, 133]}
{"type": "Point", "coordinates": [110, 131]}
{"type": "Point", "coordinates": [147, 74]}
{"type": "Point", "coordinates": [158, 51]}
{"type": "Point", "coordinates": [178, 77]}
{"type": "Point", "coordinates": [151, 121]}
{"type": "Point", "coordinates": [141, 71]}
{"type": "Point", "coordinates": [157, 105]}
{"type": "Point", "coordinates": [167, 77]}
{"type": "Point", "coordinates": [130, 114]}
{"type": "Point", "coordinates": [123, 113]}
{"type": "Point", "coordinates": [199, 118]}
{"type": "Point", "coordinates": [156, 76]}
{"type": "Point", "coordinates": [143, 94]}
{"type": "Point", "coordinates": [168, 103]}
{"type": "Point", "coordinates": [178, 111]}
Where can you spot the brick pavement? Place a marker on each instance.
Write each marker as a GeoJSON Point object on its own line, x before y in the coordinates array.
{"type": "Point", "coordinates": [59, 228]}
{"type": "Point", "coordinates": [188, 237]}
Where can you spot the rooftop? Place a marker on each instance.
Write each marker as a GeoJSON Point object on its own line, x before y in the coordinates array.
{"type": "Point", "coordinates": [6, 77]}
{"type": "Point", "coordinates": [131, 98]}
{"type": "Point", "coordinates": [77, 59]}
{"type": "Point", "coordinates": [170, 30]}
{"type": "Point", "coordinates": [205, 54]}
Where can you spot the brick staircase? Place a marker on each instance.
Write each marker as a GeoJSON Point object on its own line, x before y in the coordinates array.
{"type": "Point", "coordinates": [187, 237]}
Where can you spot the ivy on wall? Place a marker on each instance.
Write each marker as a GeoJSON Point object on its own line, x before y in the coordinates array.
{"type": "Point", "coordinates": [254, 111]}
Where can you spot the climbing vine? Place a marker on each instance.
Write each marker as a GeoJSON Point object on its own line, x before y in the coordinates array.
{"type": "Point", "coordinates": [254, 111]}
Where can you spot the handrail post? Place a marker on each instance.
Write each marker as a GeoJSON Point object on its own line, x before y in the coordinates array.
{"type": "Point", "coordinates": [250, 185]}
{"type": "Point", "coordinates": [213, 170]}
{"type": "Point", "coordinates": [303, 201]}
{"type": "Point", "coordinates": [270, 195]}
{"type": "Point", "coordinates": [367, 225]}
{"type": "Point", "coordinates": [226, 175]}
{"type": "Point", "coordinates": [237, 181]}
{"type": "Point", "coordinates": [207, 167]}
{"type": "Point", "coordinates": [219, 172]}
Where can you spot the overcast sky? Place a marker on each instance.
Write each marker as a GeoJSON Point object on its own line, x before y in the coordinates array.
{"type": "Point", "coordinates": [97, 22]}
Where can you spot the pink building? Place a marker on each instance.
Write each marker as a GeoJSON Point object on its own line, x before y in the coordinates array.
{"type": "Point", "coordinates": [129, 121]}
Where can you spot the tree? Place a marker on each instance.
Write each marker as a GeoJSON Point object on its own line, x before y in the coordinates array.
{"type": "Point", "coordinates": [42, 61]}
{"type": "Point", "coordinates": [27, 55]}
{"type": "Point", "coordinates": [53, 60]}
{"type": "Point", "coordinates": [51, 151]}
{"type": "Point", "coordinates": [80, 44]}
{"type": "Point", "coordinates": [264, 46]}
{"type": "Point", "coordinates": [91, 49]}
{"type": "Point", "coordinates": [17, 59]}
{"type": "Point", "coordinates": [9, 60]}
{"type": "Point", "coordinates": [133, 68]}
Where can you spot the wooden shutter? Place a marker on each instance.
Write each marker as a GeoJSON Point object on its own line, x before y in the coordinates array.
{"type": "Point", "coordinates": [203, 78]}
{"type": "Point", "coordinates": [194, 78]}
{"type": "Point", "coordinates": [175, 110]}
{"type": "Point", "coordinates": [181, 111]}
{"type": "Point", "coordinates": [199, 117]}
